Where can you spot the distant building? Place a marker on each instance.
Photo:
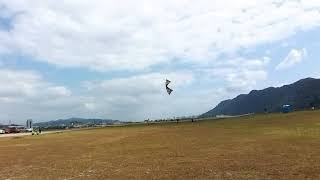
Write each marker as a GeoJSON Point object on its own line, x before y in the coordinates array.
{"type": "Point", "coordinates": [29, 124]}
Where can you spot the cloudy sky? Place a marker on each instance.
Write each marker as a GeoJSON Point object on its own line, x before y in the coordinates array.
{"type": "Point", "coordinates": [110, 59]}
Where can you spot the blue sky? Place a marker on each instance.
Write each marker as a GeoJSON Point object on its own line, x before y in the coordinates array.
{"type": "Point", "coordinates": [110, 59]}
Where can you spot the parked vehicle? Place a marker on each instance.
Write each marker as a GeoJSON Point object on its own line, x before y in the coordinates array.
{"type": "Point", "coordinates": [2, 131]}
{"type": "Point", "coordinates": [12, 130]}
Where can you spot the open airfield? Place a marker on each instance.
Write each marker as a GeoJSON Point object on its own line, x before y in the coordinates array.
{"type": "Point", "coordinates": [266, 146]}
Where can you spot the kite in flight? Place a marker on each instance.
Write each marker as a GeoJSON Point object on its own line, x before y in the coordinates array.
{"type": "Point", "coordinates": [169, 91]}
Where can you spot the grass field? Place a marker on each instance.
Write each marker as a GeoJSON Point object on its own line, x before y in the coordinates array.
{"type": "Point", "coordinates": [274, 146]}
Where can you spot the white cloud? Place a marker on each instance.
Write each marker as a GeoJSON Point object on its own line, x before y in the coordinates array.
{"type": "Point", "coordinates": [104, 35]}
{"type": "Point", "coordinates": [294, 57]}
{"type": "Point", "coordinates": [26, 94]}
{"type": "Point", "coordinates": [140, 84]}
{"type": "Point", "coordinates": [241, 74]}
{"type": "Point", "coordinates": [27, 84]}
{"type": "Point", "coordinates": [90, 106]}
{"type": "Point", "coordinates": [59, 90]}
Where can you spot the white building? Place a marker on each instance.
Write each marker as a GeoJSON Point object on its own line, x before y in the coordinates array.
{"type": "Point", "coordinates": [29, 124]}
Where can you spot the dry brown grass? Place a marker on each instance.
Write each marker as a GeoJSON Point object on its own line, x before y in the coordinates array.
{"type": "Point", "coordinates": [257, 147]}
